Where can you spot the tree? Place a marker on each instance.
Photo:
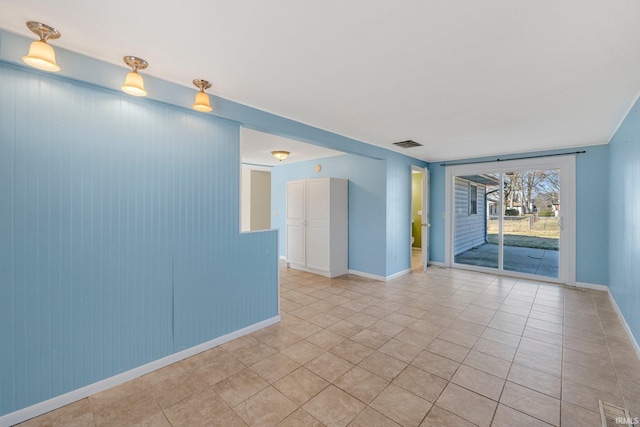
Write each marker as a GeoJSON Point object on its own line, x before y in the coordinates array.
{"type": "Point", "coordinates": [511, 188]}
{"type": "Point", "coordinates": [526, 186]}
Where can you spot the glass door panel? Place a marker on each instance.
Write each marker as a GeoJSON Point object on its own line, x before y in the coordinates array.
{"type": "Point", "coordinates": [530, 226]}
{"type": "Point", "coordinates": [523, 212]}
{"type": "Point", "coordinates": [476, 220]}
{"type": "Point", "coordinates": [514, 216]}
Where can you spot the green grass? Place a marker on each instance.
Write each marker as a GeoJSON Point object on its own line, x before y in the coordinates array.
{"type": "Point", "coordinates": [544, 234]}
{"type": "Point", "coordinates": [525, 241]}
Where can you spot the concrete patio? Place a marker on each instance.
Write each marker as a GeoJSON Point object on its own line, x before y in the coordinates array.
{"type": "Point", "coordinates": [543, 262]}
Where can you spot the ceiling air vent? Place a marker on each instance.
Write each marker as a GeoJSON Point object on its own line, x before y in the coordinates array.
{"type": "Point", "coordinates": [407, 144]}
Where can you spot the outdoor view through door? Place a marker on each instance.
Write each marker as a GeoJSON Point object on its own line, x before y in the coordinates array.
{"type": "Point", "coordinates": [511, 217]}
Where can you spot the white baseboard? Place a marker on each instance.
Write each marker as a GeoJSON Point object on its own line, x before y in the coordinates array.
{"type": "Point", "coordinates": [380, 278]}
{"type": "Point", "coordinates": [398, 274]}
{"type": "Point", "coordinates": [367, 275]}
{"type": "Point", "coordinates": [29, 412]}
{"type": "Point", "coordinates": [437, 264]}
{"type": "Point", "coordinates": [592, 286]}
{"type": "Point", "coordinates": [634, 343]}
{"type": "Point", "coordinates": [314, 271]}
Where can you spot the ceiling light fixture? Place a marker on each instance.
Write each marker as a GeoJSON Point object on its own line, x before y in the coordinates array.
{"type": "Point", "coordinates": [280, 154]}
{"type": "Point", "coordinates": [41, 55]}
{"type": "Point", "coordinates": [133, 84]}
{"type": "Point", "coordinates": [202, 103]}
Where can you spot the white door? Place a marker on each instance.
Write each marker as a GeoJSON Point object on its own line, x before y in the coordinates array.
{"type": "Point", "coordinates": [296, 230]}
{"type": "Point", "coordinates": [318, 224]}
{"type": "Point", "coordinates": [426, 217]}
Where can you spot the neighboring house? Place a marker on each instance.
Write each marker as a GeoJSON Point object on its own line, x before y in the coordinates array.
{"type": "Point", "coordinates": [517, 206]}
{"type": "Point", "coordinates": [471, 210]}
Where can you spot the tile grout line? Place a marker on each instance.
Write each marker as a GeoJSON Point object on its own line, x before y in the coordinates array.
{"type": "Point", "coordinates": [512, 361]}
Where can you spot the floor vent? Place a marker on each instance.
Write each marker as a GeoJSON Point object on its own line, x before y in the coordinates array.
{"type": "Point", "coordinates": [407, 144]}
{"type": "Point", "coordinates": [614, 416]}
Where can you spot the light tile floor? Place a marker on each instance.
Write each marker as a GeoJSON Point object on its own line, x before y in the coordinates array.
{"type": "Point", "coordinates": [442, 348]}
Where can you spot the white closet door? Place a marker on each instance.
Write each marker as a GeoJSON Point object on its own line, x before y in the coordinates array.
{"type": "Point", "coordinates": [318, 200]}
{"type": "Point", "coordinates": [295, 200]}
{"type": "Point", "coordinates": [296, 244]}
{"type": "Point", "coordinates": [296, 230]}
{"type": "Point", "coordinates": [317, 248]}
{"type": "Point", "coordinates": [318, 224]}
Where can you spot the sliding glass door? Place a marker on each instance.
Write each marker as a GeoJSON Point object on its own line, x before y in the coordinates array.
{"type": "Point", "coordinates": [515, 217]}
{"type": "Point", "coordinates": [476, 206]}
{"type": "Point", "coordinates": [530, 227]}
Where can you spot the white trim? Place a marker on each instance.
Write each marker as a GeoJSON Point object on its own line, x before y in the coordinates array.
{"type": "Point", "coordinates": [426, 218]}
{"type": "Point", "coordinates": [282, 257]}
{"type": "Point", "coordinates": [367, 275]}
{"type": "Point", "coordinates": [32, 411]}
{"type": "Point", "coordinates": [398, 274]}
{"type": "Point", "coordinates": [380, 278]}
{"type": "Point", "coordinates": [634, 343]}
{"type": "Point", "coordinates": [438, 264]}
{"type": "Point", "coordinates": [592, 286]}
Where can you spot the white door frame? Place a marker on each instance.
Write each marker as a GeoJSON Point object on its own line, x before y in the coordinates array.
{"type": "Point", "coordinates": [424, 218]}
{"type": "Point", "coordinates": [567, 166]}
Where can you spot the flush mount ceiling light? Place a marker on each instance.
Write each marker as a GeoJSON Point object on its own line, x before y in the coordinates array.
{"type": "Point", "coordinates": [133, 84]}
{"type": "Point", "coordinates": [41, 55]}
{"type": "Point", "coordinates": [202, 103]}
{"type": "Point", "coordinates": [280, 154]}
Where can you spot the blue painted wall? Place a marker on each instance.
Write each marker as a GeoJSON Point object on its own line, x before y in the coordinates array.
{"type": "Point", "coordinates": [120, 243]}
{"type": "Point", "coordinates": [592, 215]}
{"type": "Point", "coordinates": [436, 206]}
{"type": "Point", "coordinates": [367, 204]}
{"type": "Point", "coordinates": [122, 217]}
{"type": "Point", "coordinates": [399, 213]}
{"type": "Point", "coordinates": [624, 214]}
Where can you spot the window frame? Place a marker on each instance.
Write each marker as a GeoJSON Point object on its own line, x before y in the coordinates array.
{"type": "Point", "coordinates": [473, 201]}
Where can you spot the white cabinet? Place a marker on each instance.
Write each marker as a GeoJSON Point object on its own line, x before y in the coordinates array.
{"type": "Point", "coordinates": [318, 226]}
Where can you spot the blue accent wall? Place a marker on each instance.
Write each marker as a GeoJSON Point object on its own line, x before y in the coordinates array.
{"type": "Point", "coordinates": [592, 213]}
{"type": "Point", "coordinates": [399, 213]}
{"type": "Point", "coordinates": [119, 222]}
{"type": "Point", "coordinates": [624, 214]}
{"type": "Point", "coordinates": [436, 206]}
{"type": "Point", "coordinates": [120, 237]}
{"type": "Point", "coordinates": [367, 204]}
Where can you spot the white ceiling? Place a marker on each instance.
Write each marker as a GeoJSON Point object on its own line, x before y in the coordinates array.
{"type": "Point", "coordinates": [463, 77]}
{"type": "Point", "coordinates": [256, 148]}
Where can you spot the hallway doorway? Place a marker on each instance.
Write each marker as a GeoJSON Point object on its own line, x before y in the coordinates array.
{"type": "Point", "coordinates": [419, 218]}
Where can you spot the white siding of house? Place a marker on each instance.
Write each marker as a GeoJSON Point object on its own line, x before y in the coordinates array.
{"type": "Point", "coordinates": [469, 229]}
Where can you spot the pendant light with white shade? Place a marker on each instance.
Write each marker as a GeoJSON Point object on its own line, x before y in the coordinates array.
{"type": "Point", "coordinates": [41, 55]}
{"type": "Point", "coordinates": [134, 84]}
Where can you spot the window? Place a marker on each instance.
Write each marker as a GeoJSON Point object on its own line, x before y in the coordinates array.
{"type": "Point", "coordinates": [473, 200]}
